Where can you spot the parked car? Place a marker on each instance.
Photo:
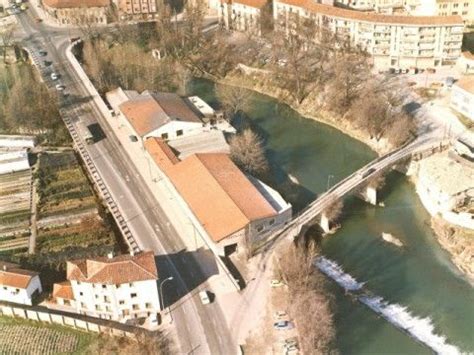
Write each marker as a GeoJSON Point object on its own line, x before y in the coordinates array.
{"type": "Point", "coordinates": [60, 87]}
{"type": "Point", "coordinates": [276, 283]}
{"type": "Point", "coordinates": [449, 81]}
{"type": "Point", "coordinates": [280, 315]}
{"type": "Point", "coordinates": [283, 325]}
{"type": "Point", "coordinates": [54, 76]}
{"type": "Point", "coordinates": [43, 53]}
{"type": "Point", "coordinates": [204, 296]}
{"type": "Point", "coordinates": [133, 138]}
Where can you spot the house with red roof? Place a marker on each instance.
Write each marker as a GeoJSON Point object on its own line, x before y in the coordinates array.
{"type": "Point", "coordinates": [113, 287]}
{"type": "Point", "coordinates": [18, 285]}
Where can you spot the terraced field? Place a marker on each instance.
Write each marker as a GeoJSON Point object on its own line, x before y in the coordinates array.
{"type": "Point", "coordinates": [63, 187]}
{"type": "Point", "coordinates": [24, 337]}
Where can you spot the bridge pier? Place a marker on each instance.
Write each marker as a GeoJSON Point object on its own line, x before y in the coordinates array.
{"type": "Point", "coordinates": [324, 223]}
{"type": "Point", "coordinates": [369, 194]}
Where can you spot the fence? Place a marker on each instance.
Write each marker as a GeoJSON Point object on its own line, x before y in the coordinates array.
{"type": "Point", "coordinates": [76, 321]}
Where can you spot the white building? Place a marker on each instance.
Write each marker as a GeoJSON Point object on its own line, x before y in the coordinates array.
{"type": "Point", "coordinates": [462, 97]}
{"type": "Point", "coordinates": [228, 208]}
{"type": "Point", "coordinates": [465, 63]}
{"type": "Point", "coordinates": [117, 288]}
{"type": "Point", "coordinates": [16, 142]}
{"type": "Point", "coordinates": [18, 285]}
{"type": "Point", "coordinates": [242, 15]}
{"type": "Point", "coordinates": [393, 41]}
{"type": "Point", "coordinates": [463, 8]}
{"type": "Point", "coordinates": [13, 161]}
{"type": "Point", "coordinates": [162, 115]}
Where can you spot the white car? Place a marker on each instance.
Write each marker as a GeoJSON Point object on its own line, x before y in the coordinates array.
{"type": "Point", "coordinates": [60, 87]}
{"type": "Point", "coordinates": [204, 297]}
{"type": "Point", "coordinates": [54, 76]}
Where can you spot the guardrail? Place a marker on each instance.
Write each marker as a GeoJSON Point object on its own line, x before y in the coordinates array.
{"type": "Point", "coordinates": [90, 165]}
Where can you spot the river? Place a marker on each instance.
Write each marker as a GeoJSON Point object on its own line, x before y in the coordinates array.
{"type": "Point", "coordinates": [418, 276]}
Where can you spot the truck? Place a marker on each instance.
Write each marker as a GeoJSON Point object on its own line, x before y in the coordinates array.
{"type": "Point", "coordinates": [84, 132]}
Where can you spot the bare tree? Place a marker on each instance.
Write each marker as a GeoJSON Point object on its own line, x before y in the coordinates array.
{"type": "Point", "coordinates": [6, 36]}
{"type": "Point", "coordinates": [247, 151]}
{"type": "Point", "coordinates": [234, 99]}
{"type": "Point", "coordinates": [334, 211]}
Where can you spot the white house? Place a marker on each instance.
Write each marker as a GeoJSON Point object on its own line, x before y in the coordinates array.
{"type": "Point", "coordinates": [18, 285]}
{"type": "Point", "coordinates": [161, 115]}
{"type": "Point", "coordinates": [228, 208]}
{"type": "Point", "coordinates": [242, 15]}
{"type": "Point", "coordinates": [462, 97]}
{"type": "Point", "coordinates": [117, 288]}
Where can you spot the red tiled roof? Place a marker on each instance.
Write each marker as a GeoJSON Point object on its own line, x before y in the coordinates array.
{"type": "Point", "coordinates": [64, 4]}
{"type": "Point", "coordinates": [466, 83]}
{"type": "Point", "coordinates": [221, 197]}
{"type": "Point", "coordinates": [161, 153]}
{"type": "Point", "coordinates": [11, 275]}
{"type": "Point", "coordinates": [63, 290]}
{"type": "Point", "coordinates": [121, 269]}
{"type": "Point", "coordinates": [338, 12]}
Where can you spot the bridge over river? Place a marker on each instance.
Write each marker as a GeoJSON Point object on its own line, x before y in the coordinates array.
{"type": "Point", "coordinates": [356, 181]}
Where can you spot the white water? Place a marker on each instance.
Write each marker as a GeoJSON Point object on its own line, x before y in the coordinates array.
{"type": "Point", "coordinates": [421, 329]}
{"type": "Point", "coordinates": [335, 272]}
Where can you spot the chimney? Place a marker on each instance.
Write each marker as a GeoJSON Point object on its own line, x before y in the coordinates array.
{"type": "Point", "coordinates": [4, 267]}
{"type": "Point", "coordinates": [110, 255]}
{"type": "Point", "coordinates": [132, 253]}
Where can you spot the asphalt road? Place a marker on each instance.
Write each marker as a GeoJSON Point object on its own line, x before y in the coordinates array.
{"type": "Point", "coordinates": [200, 329]}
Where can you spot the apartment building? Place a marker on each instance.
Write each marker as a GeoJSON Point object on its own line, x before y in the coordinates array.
{"type": "Point", "coordinates": [462, 97]}
{"type": "Point", "coordinates": [137, 9]}
{"type": "Point", "coordinates": [463, 8]}
{"type": "Point", "coordinates": [118, 288]}
{"type": "Point", "coordinates": [228, 208]}
{"type": "Point", "coordinates": [18, 285]}
{"type": "Point", "coordinates": [77, 12]}
{"type": "Point", "coordinates": [402, 42]}
{"type": "Point", "coordinates": [242, 15]}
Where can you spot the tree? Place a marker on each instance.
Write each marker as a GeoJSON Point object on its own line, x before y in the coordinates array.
{"type": "Point", "coordinates": [334, 211]}
{"type": "Point", "coordinates": [6, 37]}
{"type": "Point", "coordinates": [234, 99]}
{"type": "Point", "coordinates": [246, 150]}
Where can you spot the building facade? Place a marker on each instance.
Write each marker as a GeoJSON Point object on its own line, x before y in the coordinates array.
{"type": "Point", "coordinates": [400, 42]}
{"type": "Point", "coordinates": [137, 9]}
{"type": "Point", "coordinates": [463, 8]}
{"type": "Point", "coordinates": [117, 288]}
{"type": "Point", "coordinates": [242, 15]}
{"type": "Point", "coordinates": [18, 285]}
{"type": "Point", "coordinates": [77, 12]}
{"type": "Point", "coordinates": [462, 97]}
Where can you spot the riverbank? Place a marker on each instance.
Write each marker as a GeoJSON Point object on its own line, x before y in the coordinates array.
{"type": "Point", "coordinates": [458, 242]}
{"type": "Point", "coordinates": [307, 109]}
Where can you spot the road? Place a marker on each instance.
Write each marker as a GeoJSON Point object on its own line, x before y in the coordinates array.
{"type": "Point", "coordinates": [200, 329]}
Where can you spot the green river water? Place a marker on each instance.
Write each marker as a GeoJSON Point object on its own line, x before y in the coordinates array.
{"type": "Point", "coordinates": [418, 276]}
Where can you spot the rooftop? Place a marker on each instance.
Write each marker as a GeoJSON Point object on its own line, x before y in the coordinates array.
{"type": "Point", "coordinates": [114, 270]}
{"type": "Point", "coordinates": [212, 141]}
{"type": "Point", "coordinates": [63, 290]}
{"type": "Point", "coordinates": [373, 17]}
{"type": "Point", "coordinates": [64, 4]}
{"type": "Point", "coordinates": [13, 276]}
{"type": "Point", "coordinates": [222, 198]}
{"type": "Point", "coordinates": [149, 111]}
{"type": "Point", "coordinates": [466, 83]}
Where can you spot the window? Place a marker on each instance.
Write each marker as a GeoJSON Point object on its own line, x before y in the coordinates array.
{"type": "Point", "coordinates": [133, 295]}
{"type": "Point", "coordinates": [104, 286]}
{"type": "Point", "coordinates": [135, 307]}
{"type": "Point", "coordinates": [96, 296]}
{"type": "Point", "coordinates": [107, 308]}
{"type": "Point", "coordinates": [259, 228]}
{"type": "Point", "coordinates": [81, 293]}
{"type": "Point", "coordinates": [107, 299]}
{"type": "Point", "coordinates": [83, 305]}
{"type": "Point", "coordinates": [130, 284]}
{"type": "Point", "coordinates": [271, 222]}
{"type": "Point", "coordinates": [97, 307]}
{"type": "Point", "coordinates": [126, 312]}
{"type": "Point", "coordinates": [5, 288]}
{"type": "Point", "coordinates": [179, 132]}
{"type": "Point", "coordinates": [148, 305]}
{"type": "Point", "coordinates": [121, 302]}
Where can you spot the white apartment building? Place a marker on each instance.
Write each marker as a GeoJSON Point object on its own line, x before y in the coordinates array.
{"type": "Point", "coordinates": [463, 8]}
{"type": "Point", "coordinates": [402, 42]}
{"type": "Point", "coordinates": [462, 97]}
{"type": "Point", "coordinates": [242, 15]}
{"type": "Point", "coordinates": [18, 285]}
{"type": "Point", "coordinates": [117, 288]}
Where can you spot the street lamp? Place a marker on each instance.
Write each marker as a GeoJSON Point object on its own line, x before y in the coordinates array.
{"type": "Point", "coordinates": [329, 179]}
{"type": "Point", "coordinates": [161, 294]}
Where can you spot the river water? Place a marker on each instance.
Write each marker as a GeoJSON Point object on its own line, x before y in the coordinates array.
{"type": "Point", "coordinates": [426, 293]}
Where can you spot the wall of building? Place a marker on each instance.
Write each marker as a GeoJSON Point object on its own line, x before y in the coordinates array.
{"type": "Point", "coordinates": [462, 101]}
{"type": "Point", "coordinates": [117, 302]}
{"type": "Point", "coordinates": [143, 9]}
{"type": "Point", "coordinates": [79, 15]}
{"type": "Point", "coordinates": [240, 17]}
{"type": "Point", "coordinates": [176, 129]}
{"type": "Point", "coordinates": [21, 295]}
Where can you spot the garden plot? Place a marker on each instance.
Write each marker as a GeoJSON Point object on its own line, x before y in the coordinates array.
{"type": "Point", "coordinates": [62, 186]}
{"type": "Point", "coordinates": [15, 205]}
